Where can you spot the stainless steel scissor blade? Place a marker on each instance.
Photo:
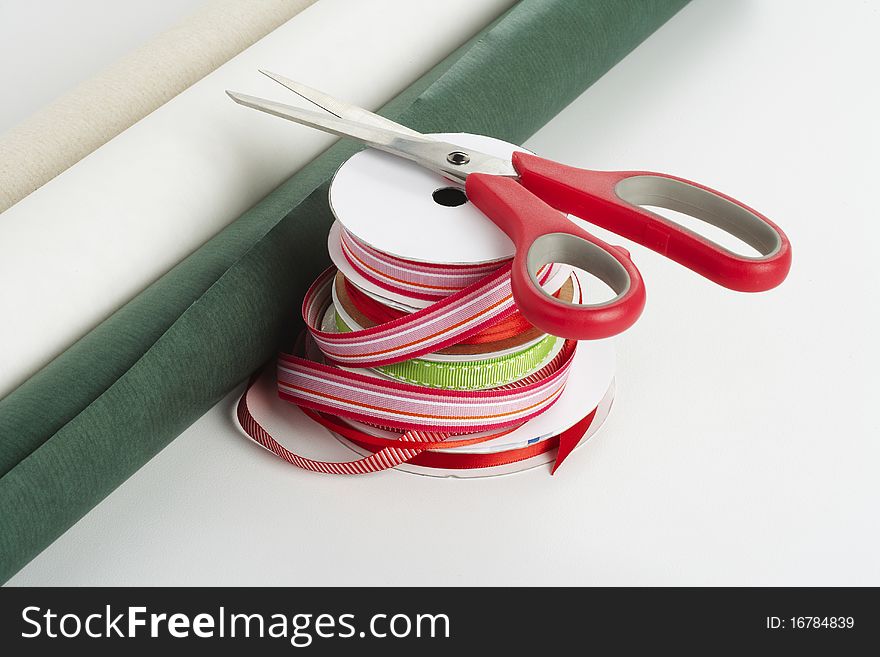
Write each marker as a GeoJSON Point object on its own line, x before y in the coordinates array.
{"type": "Point", "coordinates": [447, 159]}
{"type": "Point", "coordinates": [338, 107]}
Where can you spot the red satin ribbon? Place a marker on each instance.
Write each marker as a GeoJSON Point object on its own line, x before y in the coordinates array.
{"type": "Point", "coordinates": [464, 461]}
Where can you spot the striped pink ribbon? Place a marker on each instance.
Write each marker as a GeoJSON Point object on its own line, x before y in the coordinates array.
{"type": "Point", "coordinates": [425, 281]}
{"type": "Point", "coordinates": [383, 459]}
{"type": "Point", "coordinates": [406, 407]}
{"type": "Point", "coordinates": [440, 325]}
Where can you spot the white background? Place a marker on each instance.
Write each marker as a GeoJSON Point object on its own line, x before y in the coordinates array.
{"type": "Point", "coordinates": [741, 449]}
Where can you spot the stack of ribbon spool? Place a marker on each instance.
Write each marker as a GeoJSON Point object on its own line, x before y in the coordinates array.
{"type": "Point", "coordinates": [414, 353]}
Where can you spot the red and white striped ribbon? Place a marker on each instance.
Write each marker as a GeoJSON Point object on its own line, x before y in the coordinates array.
{"type": "Point", "coordinates": [383, 459]}
{"type": "Point", "coordinates": [416, 447]}
{"type": "Point", "coordinates": [425, 281]}
{"type": "Point", "coordinates": [441, 324]}
{"type": "Point", "coordinates": [405, 406]}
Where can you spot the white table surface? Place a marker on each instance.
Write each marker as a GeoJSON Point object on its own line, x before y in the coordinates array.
{"type": "Point", "coordinates": [740, 450]}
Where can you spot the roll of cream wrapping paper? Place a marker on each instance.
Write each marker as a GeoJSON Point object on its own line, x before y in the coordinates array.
{"type": "Point", "coordinates": [74, 125]}
{"type": "Point", "coordinates": [94, 236]}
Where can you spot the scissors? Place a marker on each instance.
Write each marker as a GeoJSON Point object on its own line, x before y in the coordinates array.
{"type": "Point", "coordinates": [528, 198]}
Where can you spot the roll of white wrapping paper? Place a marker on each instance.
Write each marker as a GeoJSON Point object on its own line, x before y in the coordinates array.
{"type": "Point", "coordinates": [90, 239]}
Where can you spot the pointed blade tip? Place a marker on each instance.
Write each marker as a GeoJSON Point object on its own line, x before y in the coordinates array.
{"type": "Point", "coordinates": [242, 99]}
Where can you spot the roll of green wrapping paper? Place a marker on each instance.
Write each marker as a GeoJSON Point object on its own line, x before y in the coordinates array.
{"type": "Point", "coordinates": [88, 420]}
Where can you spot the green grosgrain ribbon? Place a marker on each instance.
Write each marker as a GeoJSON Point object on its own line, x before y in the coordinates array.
{"type": "Point", "coordinates": [97, 413]}
{"type": "Point", "coordinates": [468, 375]}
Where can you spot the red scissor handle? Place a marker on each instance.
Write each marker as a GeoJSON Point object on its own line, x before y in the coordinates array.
{"type": "Point", "coordinates": [612, 199]}
{"type": "Point", "coordinates": [542, 235]}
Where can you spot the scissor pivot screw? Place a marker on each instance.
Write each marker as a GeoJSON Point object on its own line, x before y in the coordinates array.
{"type": "Point", "coordinates": [458, 158]}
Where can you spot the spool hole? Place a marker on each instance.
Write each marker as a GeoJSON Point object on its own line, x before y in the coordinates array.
{"type": "Point", "coordinates": [451, 197]}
